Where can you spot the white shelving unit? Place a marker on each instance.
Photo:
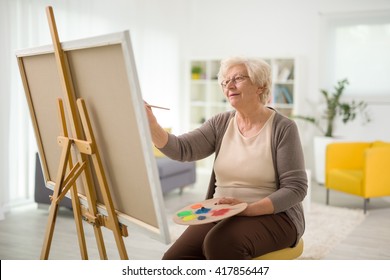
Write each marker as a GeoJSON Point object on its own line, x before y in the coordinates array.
{"type": "Point", "coordinates": [284, 84]}
{"type": "Point", "coordinates": [205, 94]}
{"type": "Point", "coordinates": [205, 97]}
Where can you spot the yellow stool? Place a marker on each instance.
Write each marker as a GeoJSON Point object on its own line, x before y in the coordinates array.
{"type": "Point", "coordinates": [283, 254]}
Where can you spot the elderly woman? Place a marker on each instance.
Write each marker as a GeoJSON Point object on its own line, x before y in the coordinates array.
{"type": "Point", "coordinates": [258, 160]}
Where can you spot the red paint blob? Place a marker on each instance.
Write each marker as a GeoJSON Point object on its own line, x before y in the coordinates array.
{"type": "Point", "coordinates": [219, 212]}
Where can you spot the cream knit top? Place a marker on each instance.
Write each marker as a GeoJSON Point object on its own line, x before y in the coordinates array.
{"type": "Point", "coordinates": [244, 168]}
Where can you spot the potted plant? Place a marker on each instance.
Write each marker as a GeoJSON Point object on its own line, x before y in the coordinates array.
{"type": "Point", "coordinates": [196, 72]}
{"type": "Point", "coordinates": [335, 108]}
{"type": "Point", "coordinates": [326, 122]}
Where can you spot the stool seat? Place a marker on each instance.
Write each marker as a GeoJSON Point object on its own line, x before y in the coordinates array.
{"type": "Point", "coordinates": [290, 253]}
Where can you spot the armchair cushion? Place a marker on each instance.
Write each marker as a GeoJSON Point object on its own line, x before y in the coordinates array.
{"type": "Point", "coordinates": [349, 181]}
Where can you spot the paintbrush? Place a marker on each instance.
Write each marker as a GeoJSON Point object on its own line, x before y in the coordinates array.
{"type": "Point", "coordinates": [157, 107]}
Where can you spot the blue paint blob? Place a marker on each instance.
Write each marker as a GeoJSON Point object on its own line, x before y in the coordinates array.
{"type": "Point", "coordinates": [201, 217]}
{"type": "Point", "coordinates": [202, 210]}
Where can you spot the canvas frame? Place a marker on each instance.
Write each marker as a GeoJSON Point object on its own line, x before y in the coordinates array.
{"type": "Point", "coordinates": [103, 73]}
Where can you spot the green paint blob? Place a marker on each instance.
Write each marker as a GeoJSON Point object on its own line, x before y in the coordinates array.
{"type": "Point", "coordinates": [184, 213]}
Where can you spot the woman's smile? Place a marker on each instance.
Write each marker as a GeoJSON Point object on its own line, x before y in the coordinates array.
{"type": "Point", "coordinates": [233, 94]}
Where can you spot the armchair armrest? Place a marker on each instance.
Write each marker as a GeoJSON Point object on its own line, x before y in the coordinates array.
{"type": "Point", "coordinates": [377, 171]}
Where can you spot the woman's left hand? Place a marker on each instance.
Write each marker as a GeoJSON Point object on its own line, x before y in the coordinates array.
{"type": "Point", "coordinates": [261, 207]}
{"type": "Point", "coordinates": [229, 200]}
{"type": "Point", "coordinates": [234, 201]}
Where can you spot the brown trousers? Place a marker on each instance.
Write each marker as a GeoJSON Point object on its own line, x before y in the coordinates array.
{"type": "Point", "coordinates": [235, 238]}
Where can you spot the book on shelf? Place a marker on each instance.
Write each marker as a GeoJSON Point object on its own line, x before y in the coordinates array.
{"type": "Point", "coordinates": [286, 74]}
{"type": "Point", "coordinates": [283, 95]}
{"type": "Point", "coordinates": [291, 76]}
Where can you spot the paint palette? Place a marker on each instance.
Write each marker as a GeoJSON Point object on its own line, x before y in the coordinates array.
{"type": "Point", "coordinates": [207, 211]}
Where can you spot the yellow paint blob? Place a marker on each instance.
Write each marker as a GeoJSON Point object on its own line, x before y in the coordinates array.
{"type": "Point", "coordinates": [189, 218]}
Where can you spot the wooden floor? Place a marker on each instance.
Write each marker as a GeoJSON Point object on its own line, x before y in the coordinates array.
{"type": "Point", "coordinates": [21, 233]}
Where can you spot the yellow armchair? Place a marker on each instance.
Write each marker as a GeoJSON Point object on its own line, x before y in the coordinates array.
{"type": "Point", "coordinates": [358, 168]}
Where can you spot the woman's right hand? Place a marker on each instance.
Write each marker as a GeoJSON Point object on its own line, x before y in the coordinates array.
{"type": "Point", "coordinates": [159, 135]}
{"type": "Point", "coordinates": [149, 113]}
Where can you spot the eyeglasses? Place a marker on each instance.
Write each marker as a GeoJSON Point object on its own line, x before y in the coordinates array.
{"type": "Point", "coordinates": [235, 80]}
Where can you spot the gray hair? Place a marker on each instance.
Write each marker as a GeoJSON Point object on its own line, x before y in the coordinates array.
{"type": "Point", "coordinates": [259, 72]}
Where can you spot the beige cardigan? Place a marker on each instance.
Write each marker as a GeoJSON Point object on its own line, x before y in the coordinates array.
{"type": "Point", "coordinates": [287, 155]}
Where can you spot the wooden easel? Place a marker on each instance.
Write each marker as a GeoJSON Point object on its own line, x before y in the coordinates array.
{"type": "Point", "coordinates": [86, 152]}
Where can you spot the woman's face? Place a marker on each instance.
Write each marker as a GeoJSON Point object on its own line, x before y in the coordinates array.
{"type": "Point", "coordinates": [238, 88]}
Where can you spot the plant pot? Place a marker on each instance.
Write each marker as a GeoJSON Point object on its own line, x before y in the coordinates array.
{"type": "Point", "coordinates": [320, 143]}
{"type": "Point", "coordinates": [195, 76]}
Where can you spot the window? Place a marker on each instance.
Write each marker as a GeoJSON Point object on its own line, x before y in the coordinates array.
{"type": "Point", "coordinates": [357, 47]}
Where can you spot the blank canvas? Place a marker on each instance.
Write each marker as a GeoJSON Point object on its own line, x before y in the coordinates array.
{"type": "Point", "coordinates": [103, 73]}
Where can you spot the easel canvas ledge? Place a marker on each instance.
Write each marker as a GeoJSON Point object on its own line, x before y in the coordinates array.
{"type": "Point", "coordinates": [137, 128]}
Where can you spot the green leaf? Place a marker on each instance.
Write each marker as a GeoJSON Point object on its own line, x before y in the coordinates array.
{"type": "Point", "coordinates": [348, 111]}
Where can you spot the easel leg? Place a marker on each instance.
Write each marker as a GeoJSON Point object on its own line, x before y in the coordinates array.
{"type": "Point", "coordinates": [79, 223]}
{"type": "Point", "coordinates": [73, 191]}
{"type": "Point", "coordinates": [49, 231]}
{"type": "Point", "coordinates": [92, 209]}
{"type": "Point", "coordinates": [54, 206]}
{"type": "Point", "coordinates": [97, 163]}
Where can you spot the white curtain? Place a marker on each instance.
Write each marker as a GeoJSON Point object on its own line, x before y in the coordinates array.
{"type": "Point", "coordinates": [23, 25]}
{"type": "Point", "coordinates": [4, 107]}
{"type": "Point", "coordinates": [18, 143]}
